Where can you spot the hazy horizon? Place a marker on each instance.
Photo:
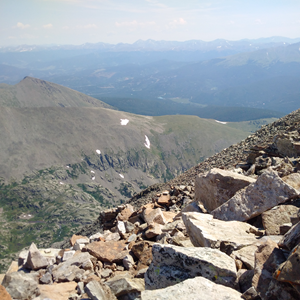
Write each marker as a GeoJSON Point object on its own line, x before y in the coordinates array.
{"type": "Point", "coordinates": [76, 22]}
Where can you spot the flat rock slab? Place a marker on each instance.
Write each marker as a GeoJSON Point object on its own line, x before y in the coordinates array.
{"type": "Point", "coordinates": [217, 186]}
{"type": "Point", "coordinates": [99, 291]}
{"type": "Point", "coordinates": [173, 264]}
{"type": "Point", "coordinates": [198, 288]}
{"type": "Point", "coordinates": [111, 251]}
{"type": "Point", "coordinates": [4, 294]}
{"type": "Point", "coordinates": [274, 218]}
{"type": "Point", "coordinates": [268, 191]}
{"type": "Point", "coordinates": [58, 291]}
{"type": "Point", "coordinates": [204, 231]}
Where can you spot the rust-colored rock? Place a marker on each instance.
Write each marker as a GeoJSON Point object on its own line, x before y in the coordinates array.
{"type": "Point", "coordinates": [111, 251]}
{"type": "Point", "coordinates": [75, 237]}
{"type": "Point", "coordinates": [58, 291]}
{"type": "Point", "coordinates": [4, 294]}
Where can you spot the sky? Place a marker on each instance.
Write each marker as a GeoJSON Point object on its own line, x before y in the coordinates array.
{"type": "Point", "coordinates": [40, 22]}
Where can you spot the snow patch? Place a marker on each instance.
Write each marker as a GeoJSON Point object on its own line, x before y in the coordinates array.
{"type": "Point", "coordinates": [98, 151]}
{"type": "Point", "coordinates": [93, 178]}
{"type": "Point", "coordinates": [92, 171]}
{"type": "Point", "coordinates": [124, 121]}
{"type": "Point", "coordinates": [61, 183]}
{"type": "Point", "coordinates": [122, 176]}
{"type": "Point", "coordinates": [221, 122]}
{"type": "Point", "coordinates": [68, 167]}
{"type": "Point", "coordinates": [147, 142]}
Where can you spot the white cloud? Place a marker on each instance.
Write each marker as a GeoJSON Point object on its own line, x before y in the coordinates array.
{"type": "Point", "coordinates": [22, 26]}
{"type": "Point", "coordinates": [179, 21]}
{"type": "Point", "coordinates": [48, 26]}
{"type": "Point", "coordinates": [258, 21]}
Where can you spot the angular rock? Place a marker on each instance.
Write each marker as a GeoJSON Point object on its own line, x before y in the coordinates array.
{"type": "Point", "coordinates": [99, 291]}
{"type": "Point", "coordinates": [173, 264]}
{"type": "Point", "coordinates": [128, 262]}
{"type": "Point", "coordinates": [293, 180]}
{"type": "Point", "coordinates": [21, 286]}
{"type": "Point", "coordinates": [111, 236]}
{"type": "Point", "coordinates": [198, 288]}
{"type": "Point", "coordinates": [169, 216]}
{"type": "Point", "coordinates": [291, 238]}
{"type": "Point", "coordinates": [204, 231]}
{"type": "Point", "coordinates": [75, 237]}
{"type": "Point", "coordinates": [154, 216]}
{"type": "Point", "coordinates": [217, 186]}
{"type": "Point", "coordinates": [125, 213]}
{"type": "Point", "coordinates": [245, 279]}
{"type": "Point", "coordinates": [124, 285]}
{"type": "Point", "coordinates": [250, 294]}
{"type": "Point", "coordinates": [35, 260]}
{"type": "Point", "coordinates": [112, 251]}
{"type": "Point", "coordinates": [96, 237]}
{"type": "Point", "coordinates": [143, 251]}
{"type": "Point", "coordinates": [268, 191]}
{"type": "Point", "coordinates": [68, 254]}
{"type": "Point", "coordinates": [290, 270]}
{"type": "Point", "coordinates": [267, 259]}
{"type": "Point", "coordinates": [246, 255]}
{"type": "Point", "coordinates": [164, 199]}
{"type": "Point", "coordinates": [272, 219]}
{"type": "Point", "coordinates": [153, 230]}
{"type": "Point", "coordinates": [46, 278]}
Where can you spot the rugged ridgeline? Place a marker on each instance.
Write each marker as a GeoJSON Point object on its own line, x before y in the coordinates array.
{"type": "Point", "coordinates": [231, 232]}
{"type": "Point", "coordinates": [64, 156]}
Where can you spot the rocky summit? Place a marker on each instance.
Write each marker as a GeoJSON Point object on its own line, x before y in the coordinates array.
{"type": "Point", "coordinates": [229, 228]}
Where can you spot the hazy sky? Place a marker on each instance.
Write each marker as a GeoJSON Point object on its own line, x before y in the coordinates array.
{"type": "Point", "coordinates": [115, 21]}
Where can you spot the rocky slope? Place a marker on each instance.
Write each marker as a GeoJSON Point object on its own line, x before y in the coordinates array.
{"type": "Point", "coordinates": [231, 232]}
{"type": "Point", "coordinates": [63, 157]}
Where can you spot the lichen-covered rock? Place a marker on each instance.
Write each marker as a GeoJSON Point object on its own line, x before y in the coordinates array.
{"type": "Point", "coordinates": [173, 264]}
{"type": "Point", "coordinates": [198, 288]}
{"type": "Point", "coordinates": [268, 191]}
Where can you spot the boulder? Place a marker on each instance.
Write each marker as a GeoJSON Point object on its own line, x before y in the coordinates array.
{"type": "Point", "coordinates": [246, 255]}
{"type": "Point", "coordinates": [274, 218]}
{"type": "Point", "coordinates": [111, 251]}
{"type": "Point", "coordinates": [153, 230]}
{"type": "Point", "coordinates": [293, 180]}
{"type": "Point", "coordinates": [204, 231]}
{"type": "Point", "coordinates": [21, 286]}
{"type": "Point", "coordinates": [217, 186]}
{"type": "Point", "coordinates": [99, 291]}
{"type": "Point", "coordinates": [268, 191]}
{"type": "Point", "coordinates": [198, 288]}
{"type": "Point", "coordinates": [267, 259]}
{"type": "Point", "coordinates": [125, 285]}
{"type": "Point", "coordinates": [173, 264]}
{"type": "Point", "coordinates": [35, 260]}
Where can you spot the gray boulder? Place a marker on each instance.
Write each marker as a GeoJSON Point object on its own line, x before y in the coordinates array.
{"type": "Point", "coordinates": [204, 231]}
{"type": "Point", "coordinates": [21, 286]}
{"type": "Point", "coordinates": [173, 264]}
{"type": "Point", "coordinates": [217, 186]}
{"type": "Point", "coordinates": [198, 288]}
{"type": "Point", "coordinates": [268, 191]}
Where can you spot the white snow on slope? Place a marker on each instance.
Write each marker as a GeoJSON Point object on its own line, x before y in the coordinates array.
{"type": "Point", "coordinates": [92, 171]}
{"type": "Point", "coordinates": [147, 142]}
{"type": "Point", "coordinates": [98, 151]}
{"type": "Point", "coordinates": [124, 121]}
{"type": "Point", "coordinates": [221, 122]}
{"type": "Point", "coordinates": [122, 176]}
{"type": "Point", "coordinates": [93, 178]}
